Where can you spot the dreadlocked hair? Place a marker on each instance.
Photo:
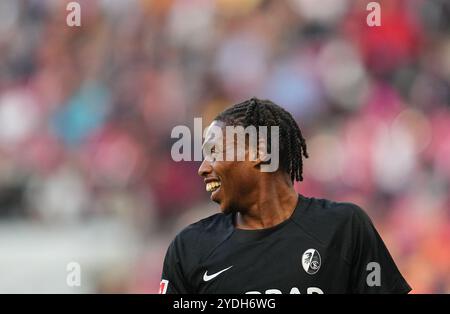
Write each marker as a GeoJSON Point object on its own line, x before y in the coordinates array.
{"type": "Point", "coordinates": [259, 112]}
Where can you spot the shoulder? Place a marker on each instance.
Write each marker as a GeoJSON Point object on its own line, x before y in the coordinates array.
{"type": "Point", "coordinates": [327, 219]}
{"type": "Point", "coordinates": [195, 242]}
{"type": "Point", "coordinates": [209, 226]}
{"type": "Point", "coordinates": [198, 239]}
{"type": "Point", "coordinates": [336, 211]}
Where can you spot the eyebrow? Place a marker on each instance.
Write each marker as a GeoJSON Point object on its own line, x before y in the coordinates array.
{"type": "Point", "coordinates": [207, 144]}
{"type": "Point", "coordinates": [210, 140]}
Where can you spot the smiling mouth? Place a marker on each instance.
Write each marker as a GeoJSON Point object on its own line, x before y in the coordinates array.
{"type": "Point", "coordinates": [212, 186]}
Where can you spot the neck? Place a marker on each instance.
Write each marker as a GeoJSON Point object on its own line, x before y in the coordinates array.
{"type": "Point", "coordinates": [274, 203]}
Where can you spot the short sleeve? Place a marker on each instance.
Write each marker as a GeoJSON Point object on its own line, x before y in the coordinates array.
{"type": "Point", "coordinates": [173, 279]}
{"type": "Point", "coordinates": [372, 268]}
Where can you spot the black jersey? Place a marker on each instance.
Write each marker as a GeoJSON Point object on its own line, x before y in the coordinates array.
{"type": "Point", "coordinates": [324, 247]}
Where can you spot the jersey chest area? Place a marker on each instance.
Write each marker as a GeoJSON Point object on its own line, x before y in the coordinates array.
{"type": "Point", "coordinates": [280, 266]}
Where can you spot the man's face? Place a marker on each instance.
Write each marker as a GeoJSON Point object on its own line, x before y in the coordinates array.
{"type": "Point", "coordinates": [231, 183]}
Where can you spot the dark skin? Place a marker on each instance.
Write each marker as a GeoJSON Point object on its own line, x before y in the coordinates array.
{"type": "Point", "coordinates": [260, 199]}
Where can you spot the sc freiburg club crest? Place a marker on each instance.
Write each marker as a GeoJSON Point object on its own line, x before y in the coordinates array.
{"type": "Point", "coordinates": [311, 261]}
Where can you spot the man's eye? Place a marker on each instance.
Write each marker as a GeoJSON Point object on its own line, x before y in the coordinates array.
{"type": "Point", "coordinates": [211, 157]}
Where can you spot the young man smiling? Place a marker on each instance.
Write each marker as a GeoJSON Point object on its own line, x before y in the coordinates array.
{"type": "Point", "coordinates": [268, 238]}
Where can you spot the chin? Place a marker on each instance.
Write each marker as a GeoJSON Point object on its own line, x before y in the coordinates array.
{"type": "Point", "coordinates": [226, 206]}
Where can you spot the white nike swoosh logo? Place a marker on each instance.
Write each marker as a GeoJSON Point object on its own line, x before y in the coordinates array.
{"type": "Point", "coordinates": [208, 278]}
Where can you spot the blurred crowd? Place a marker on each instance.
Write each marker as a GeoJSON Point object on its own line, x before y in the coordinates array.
{"type": "Point", "coordinates": [86, 115]}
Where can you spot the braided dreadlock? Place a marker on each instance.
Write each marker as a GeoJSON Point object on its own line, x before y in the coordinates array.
{"type": "Point", "coordinates": [259, 112]}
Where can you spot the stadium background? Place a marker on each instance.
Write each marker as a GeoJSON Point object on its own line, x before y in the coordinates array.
{"type": "Point", "coordinates": [86, 114]}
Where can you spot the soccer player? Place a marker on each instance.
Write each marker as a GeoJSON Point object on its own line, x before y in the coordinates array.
{"type": "Point", "coordinates": [268, 238]}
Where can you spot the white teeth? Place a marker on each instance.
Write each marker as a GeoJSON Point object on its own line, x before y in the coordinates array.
{"type": "Point", "coordinates": [212, 186]}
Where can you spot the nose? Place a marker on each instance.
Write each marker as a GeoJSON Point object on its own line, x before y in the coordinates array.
{"type": "Point", "coordinates": [205, 168]}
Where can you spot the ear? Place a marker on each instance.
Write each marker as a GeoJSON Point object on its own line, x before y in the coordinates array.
{"type": "Point", "coordinates": [259, 156]}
